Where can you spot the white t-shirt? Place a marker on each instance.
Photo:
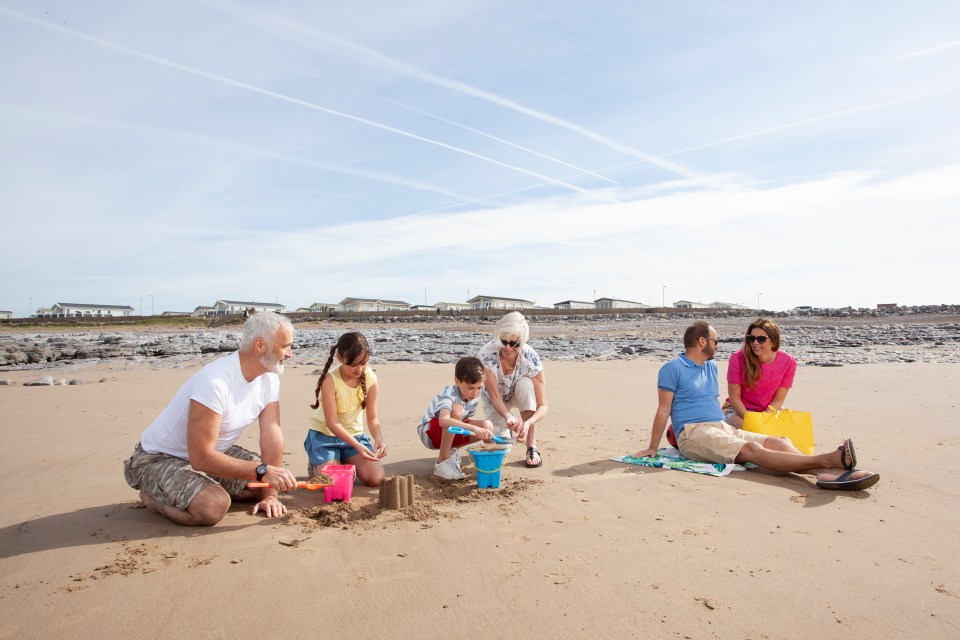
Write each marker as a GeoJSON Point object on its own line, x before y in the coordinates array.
{"type": "Point", "coordinates": [221, 387]}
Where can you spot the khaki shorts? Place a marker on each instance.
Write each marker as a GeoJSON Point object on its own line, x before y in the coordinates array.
{"type": "Point", "coordinates": [715, 441]}
{"type": "Point", "coordinates": [524, 398]}
{"type": "Point", "coordinates": [173, 481]}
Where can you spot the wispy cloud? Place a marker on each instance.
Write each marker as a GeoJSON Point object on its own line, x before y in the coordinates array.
{"type": "Point", "coordinates": [292, 100]}
{"type": "Point", "coordinates": [716, 227]}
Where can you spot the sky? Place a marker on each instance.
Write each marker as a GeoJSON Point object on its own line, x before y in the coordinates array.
{"type": "Point", "coordinates": [165, 155]}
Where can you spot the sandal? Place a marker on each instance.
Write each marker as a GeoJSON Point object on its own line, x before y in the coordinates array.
{"type": "Point", "coordinates": [844, 482]}
{"type": "Point", "coordinates": [847, 446]}
{"type": "Point", "coordinates": [530, 463]}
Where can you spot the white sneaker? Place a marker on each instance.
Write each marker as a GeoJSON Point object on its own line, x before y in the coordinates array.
{"type": "Point", "coordinates": [455, 455]}
{"type": "Point", "coordinates": [449, 469]}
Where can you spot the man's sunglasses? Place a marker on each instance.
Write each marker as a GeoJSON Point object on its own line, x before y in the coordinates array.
{"type": "Point", "coordinates": [510, 343]}
{"type": "Point", "coordinates": [760, 339]}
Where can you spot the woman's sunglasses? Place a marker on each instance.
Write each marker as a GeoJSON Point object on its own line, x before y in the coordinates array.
{"type": "Point", "coordinates": [760, 339]}
{"type": "Point", "coordinates": [510, 343]}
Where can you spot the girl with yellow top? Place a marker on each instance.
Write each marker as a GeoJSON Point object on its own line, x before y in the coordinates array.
{"type": "Point", "coordinates": [342, 399]}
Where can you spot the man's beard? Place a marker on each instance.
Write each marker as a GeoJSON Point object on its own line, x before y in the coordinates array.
{"type": "Point", "coordinates": [272, 365]}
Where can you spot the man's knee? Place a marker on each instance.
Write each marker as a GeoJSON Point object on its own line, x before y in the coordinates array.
{"type": "Point", "coordinates": [779, 443]}
{"type": "Point", "coordinates": [210, 506]}
{"type": "Point", "coordinates": [749, 451]}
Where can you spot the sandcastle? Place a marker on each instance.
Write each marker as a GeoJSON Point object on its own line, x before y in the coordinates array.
{"type": "Point", "coordinates": [396, 492]}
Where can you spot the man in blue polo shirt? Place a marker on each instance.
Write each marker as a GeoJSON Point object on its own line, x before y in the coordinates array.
{"type": "Point", "coordinates": [688, 391]}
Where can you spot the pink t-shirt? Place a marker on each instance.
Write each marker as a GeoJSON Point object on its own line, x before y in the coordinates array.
{"type": "Point", "coordinates": [773, 375]}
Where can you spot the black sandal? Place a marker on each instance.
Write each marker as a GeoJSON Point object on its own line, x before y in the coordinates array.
{"type": "Point", "coordinates": [530, 452]}
{"type": "Point", "coordinates": [852, 462]}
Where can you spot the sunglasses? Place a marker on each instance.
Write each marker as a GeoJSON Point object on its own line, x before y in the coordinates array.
{"type": "Point", "coordinates": [510, 343]}
{"type": "Point", "coordinates": [760, 339]}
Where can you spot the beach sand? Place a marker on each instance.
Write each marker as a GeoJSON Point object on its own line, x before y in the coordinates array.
{"type": "Point", "coordinates": [581, 548]}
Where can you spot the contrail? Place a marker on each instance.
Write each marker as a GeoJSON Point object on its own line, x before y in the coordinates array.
{"type": "Point", "coordinates": [512, 192]}
{"type": "Point", "coordinates": [303, 103]}
{"type": "Point", "coordinates": [800, 123]}
{"type": "Point", "coordinates": [380, 59]}
{"type": "Point", "coordinates": [926, 51]}
{"type": "Point", "coordinates": [581, 170]}
{"type": "Point", "coordinates": [221, 143]}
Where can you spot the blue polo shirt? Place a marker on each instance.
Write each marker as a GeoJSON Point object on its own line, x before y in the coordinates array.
{"type": "Point", "coordinates": [696, 391]}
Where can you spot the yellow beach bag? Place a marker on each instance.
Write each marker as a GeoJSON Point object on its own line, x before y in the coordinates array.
{"type": "Point", "coordinates": [796, 425]}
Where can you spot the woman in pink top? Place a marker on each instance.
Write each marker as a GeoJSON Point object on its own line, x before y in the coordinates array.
{"type": "Point", "coordinates": [759, 375]}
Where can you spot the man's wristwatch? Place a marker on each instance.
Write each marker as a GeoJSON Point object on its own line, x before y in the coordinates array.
{"type": "Point", "coordinates": [261, 471]}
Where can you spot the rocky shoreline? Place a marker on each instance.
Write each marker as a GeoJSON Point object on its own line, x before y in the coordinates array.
{"type": "Point", "coordinates": [816, 341]}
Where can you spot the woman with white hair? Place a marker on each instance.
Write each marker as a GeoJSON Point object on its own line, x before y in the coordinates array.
{"type": "Point", "coordinates": [514, 380]}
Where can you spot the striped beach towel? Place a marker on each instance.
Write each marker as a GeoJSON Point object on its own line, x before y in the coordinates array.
{"type": "Point", "coordinates": [670, 458]}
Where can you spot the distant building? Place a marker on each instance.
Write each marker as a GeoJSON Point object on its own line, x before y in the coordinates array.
{"type": "Point", "coordinates": [687, 304]}
{"type": "Point", "coordinates": [322, 307]}
{"type": "Point", "coordinates": [78, 310]}
{"type": "Point", "coordinates": [493, 302]}
{"type": "Point", "coordinates": [202, 312]}
{"type": "Point", "coordinates": [451, 306]}
{"type": "Point", "coordinates": [726, 305]}
{"type": "Point", "coordinates": [614, 303]}
{"type": "Point", "coordinates": [6, 315]}
{"type": "Point", "coordinates": [574, 304]}
{"type": "Point", "coordinates": [224, 307]}
{"type": "Point", "coordinates": [373, 304]}
{"type": "Point", "coordinates": [176, 313]}
{"type": "Point", "coordinates": [423, 307]}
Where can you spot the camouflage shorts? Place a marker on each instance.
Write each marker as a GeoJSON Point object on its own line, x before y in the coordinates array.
{"type": "Point", "coordinates": [173, 481]}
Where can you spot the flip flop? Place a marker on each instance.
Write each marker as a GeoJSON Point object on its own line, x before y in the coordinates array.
{"type": "Point", "coordinates": [530, 452]}
{"type": "Point", "coordinates": [850, 464]}
{"type": "Point", "coordinates": [844, 482]}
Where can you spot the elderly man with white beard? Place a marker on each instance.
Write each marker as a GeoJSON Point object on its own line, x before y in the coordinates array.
{"type": "Point", "coordinates": [187, 465]}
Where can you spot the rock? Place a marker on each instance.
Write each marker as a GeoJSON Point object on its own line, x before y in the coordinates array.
{"type": "Point", "coordinates": [45, 381]}
{"type": "Point", "coordinates": [6, 383]}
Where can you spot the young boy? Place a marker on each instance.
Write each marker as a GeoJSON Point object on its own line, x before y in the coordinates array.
{"type": "Point", "coordinates": [454, 406]}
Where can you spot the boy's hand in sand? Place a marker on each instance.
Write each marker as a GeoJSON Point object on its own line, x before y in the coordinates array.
{"type": "Point", "coordinates": [271, 507]}
{"type": "Point", "coordinates": [646, 453]}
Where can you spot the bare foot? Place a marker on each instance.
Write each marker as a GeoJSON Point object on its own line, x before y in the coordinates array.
{"type": "Point", "coordinates": [148, 502]}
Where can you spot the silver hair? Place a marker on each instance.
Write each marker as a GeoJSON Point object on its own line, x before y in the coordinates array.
{"type": "Point", "coordinates": [512, 323]}
{"type": "Point", "coordinates": [263, 324]}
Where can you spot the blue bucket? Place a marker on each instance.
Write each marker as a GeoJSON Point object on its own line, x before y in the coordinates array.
{"type": "Point", "coordinates": [488, 465]}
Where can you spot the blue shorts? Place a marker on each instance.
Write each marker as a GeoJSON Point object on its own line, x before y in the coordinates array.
{"type": "Point", "coordinates": [322, 448]}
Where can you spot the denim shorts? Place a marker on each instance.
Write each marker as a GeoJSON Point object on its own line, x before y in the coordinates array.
{"type": "Point", "coordinates": [322, 448]}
